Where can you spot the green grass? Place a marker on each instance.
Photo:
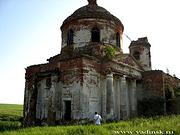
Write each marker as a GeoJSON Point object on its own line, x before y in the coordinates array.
{"type": "Point", "coordinates": [11, 109]}
{"type": "Point", "coordinates": [10, 116]}
{"type": "Point", "coordinates": [138, 126]}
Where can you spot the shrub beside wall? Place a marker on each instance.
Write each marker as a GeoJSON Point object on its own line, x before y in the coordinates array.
{"type": "Point", "coordinates": [151, 107]}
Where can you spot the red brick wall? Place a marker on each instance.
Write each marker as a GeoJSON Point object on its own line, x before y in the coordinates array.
{"type": "Point", "coordinates": [153, 82]}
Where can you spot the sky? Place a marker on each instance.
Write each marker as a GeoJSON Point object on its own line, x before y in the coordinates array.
{"type": "Point", "coordinates": [30, 34]}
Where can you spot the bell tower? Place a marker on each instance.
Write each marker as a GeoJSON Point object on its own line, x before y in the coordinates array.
{"type": "Point", "coordinates": [140, 50]}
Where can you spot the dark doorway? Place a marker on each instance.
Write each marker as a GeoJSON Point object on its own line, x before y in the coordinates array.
{"type": "Point", "coordinates": [67, 114]}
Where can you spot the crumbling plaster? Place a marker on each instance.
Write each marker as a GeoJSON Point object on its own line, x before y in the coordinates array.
{"type": "Point", "coordinates": [82, 32]}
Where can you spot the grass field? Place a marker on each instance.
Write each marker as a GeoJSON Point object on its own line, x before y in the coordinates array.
{"type": "Point", "coordinates": [11, 109]}
{"type": "Point", "coordinates": [10, 116]}
{"type": "Point", "coordinates": [139, 126]}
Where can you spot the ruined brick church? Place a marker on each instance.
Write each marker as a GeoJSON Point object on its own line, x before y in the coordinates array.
{"type": "Point", "coordinates": [92, 74]}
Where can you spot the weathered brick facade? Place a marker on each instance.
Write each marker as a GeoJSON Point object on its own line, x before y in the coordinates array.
{"type": "Point", "coordinates": [92, 74]}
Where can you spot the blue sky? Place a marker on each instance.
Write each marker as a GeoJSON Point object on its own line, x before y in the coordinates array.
{"type": "Point", "coordinates": [30, 33]}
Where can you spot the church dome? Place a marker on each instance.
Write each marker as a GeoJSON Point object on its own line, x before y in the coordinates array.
{"type": "Point", "coordinates": [92, 10]}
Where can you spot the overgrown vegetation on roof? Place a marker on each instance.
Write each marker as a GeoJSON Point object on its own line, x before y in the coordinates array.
{"type": "Point", "coordinates": [110, 51]}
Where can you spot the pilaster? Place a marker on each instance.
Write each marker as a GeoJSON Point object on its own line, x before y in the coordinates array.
{"type": "Point", "coordinates": [124, 99]}
{"type": "Point", "coordinates": [133, 99]}
{"type": "Point", "coordinates": [110, 96]}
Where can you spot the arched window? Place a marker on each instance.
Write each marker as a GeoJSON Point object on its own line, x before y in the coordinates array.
{"type": "Point", "coordinates": [118, 42]}
{"type": "Point", "coordinates": [136, 55]}
{"type": "Point", "coordinates": [95, 35]}
{"type": "Point", "coordinates": [70, 35]}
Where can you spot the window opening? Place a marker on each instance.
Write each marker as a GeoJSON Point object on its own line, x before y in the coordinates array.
{"type": "Point", "coordinates": [118, 44]}
{"type": "Point", "coordinates": [48, 82]}
{"type": "Point", "coordinates": [136, 55]}
{"type": "Point", "coordinates": [95, 35]}
{"type": "Point", "coordinates": [70, 37]}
